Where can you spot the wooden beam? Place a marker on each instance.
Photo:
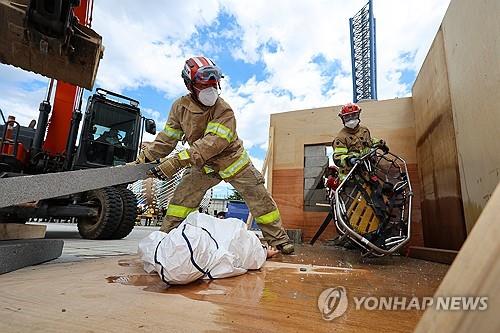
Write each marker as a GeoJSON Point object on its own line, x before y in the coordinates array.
{"type": "Point", "coordinates": [270, 165]}
{"type": "Point", "coordinates": [432, 254]}
{"type": "Point", "coordinates": [9, 231]}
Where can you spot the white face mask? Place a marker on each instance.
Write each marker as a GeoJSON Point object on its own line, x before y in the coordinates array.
{"type": "Point", "coordinates": [208, 96]}
{"type": "Point", "coordinates": [352, 123]}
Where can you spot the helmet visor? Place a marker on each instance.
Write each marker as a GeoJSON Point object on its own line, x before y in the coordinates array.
{"type": "Point", "coordinates": [208, 75]}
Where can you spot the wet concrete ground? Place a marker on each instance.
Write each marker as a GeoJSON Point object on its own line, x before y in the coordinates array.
{"type": "Point", "coordinates": [114, 294]}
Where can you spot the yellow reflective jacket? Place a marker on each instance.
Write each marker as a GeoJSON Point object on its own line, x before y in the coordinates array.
{"type": "Point", "coordinates": [210, 132]}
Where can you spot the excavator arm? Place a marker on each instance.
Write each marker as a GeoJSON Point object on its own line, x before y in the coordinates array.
{"type": "Point", "coordinates": [50, 37]}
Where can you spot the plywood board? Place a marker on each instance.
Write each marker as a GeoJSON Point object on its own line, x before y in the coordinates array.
{"type": "Point", "coordinates": [471, 31]}
{"type": "Point", "coordinates": [442, 213]}
{"type": "Point", "coordinates": [472, 274]}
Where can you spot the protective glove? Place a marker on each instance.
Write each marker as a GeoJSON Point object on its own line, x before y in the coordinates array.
{"type": "Point", "coordinates": [352, 160]}
{"type": "Point", "coordinates": [140, 159]}
{"type": "Point", "coordinates": [383, 146]}
{"type": "Point", "coordinates": [168, 167]}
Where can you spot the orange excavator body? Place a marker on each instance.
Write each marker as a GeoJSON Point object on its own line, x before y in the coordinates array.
{"type": "Point", "coordinates": [65, 99]}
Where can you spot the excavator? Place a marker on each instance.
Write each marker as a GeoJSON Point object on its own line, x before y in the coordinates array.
{"type": "Point", "coordinates": [54, 38]}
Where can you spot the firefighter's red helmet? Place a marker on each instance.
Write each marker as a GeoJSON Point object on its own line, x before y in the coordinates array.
{"type": "Point", "coordinates": [349, 109]}
{"type": "Point", "coordinates": [200, 70]}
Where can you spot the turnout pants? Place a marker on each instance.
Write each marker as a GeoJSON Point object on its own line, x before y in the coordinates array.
{"type": "Point", "coordinates": [249, 183]}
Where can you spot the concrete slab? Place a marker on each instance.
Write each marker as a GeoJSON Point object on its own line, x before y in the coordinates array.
{"type": "Point", "coordinates": [295, 235]}
{"type": "Point", "coordinates": [309, 183]}
{"type": "Point", "coordinates": [50, 185]}
{"type": "Point", "coordinates": [16, 254]}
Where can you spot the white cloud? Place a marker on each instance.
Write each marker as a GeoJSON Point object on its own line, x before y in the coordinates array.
{"type": "Point", "coordinates": [21, 103]}
{"type": "Point", "coordinates": [147, 42]}
{"type": "Point", "coordinates": [257, 162]}
{"type": "Point", "coordinates": [304, 30]}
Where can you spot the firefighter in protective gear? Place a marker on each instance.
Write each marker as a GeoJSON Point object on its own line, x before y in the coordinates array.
{"type": "Point", "coordinates": [207, 123]}
{"type": "Point", "coordinates": [353, 141]}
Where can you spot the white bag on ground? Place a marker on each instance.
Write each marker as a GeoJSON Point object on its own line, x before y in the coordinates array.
{"type": "Point", "coordinates": [202, 246]}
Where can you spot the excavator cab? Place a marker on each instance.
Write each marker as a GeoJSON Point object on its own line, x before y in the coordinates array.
{"type": "Point", "coordinates": [111, 132]}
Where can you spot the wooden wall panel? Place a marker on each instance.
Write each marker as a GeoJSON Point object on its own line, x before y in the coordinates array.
{"type": "Point", "coordinates": [442, 214]}
{"type": "Point", "coordinates": [471, 31]}
{"type": "Point", "coordinates": [289, 196]}
{"type": "Point", "coordinates": [393, 120]}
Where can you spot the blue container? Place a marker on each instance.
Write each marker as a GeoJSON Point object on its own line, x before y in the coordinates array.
{"type": "Point", "coordinates": [239, 210]}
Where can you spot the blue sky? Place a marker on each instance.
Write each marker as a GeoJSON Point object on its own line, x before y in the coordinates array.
{"type": "Point", "coordinates": [291, 55]}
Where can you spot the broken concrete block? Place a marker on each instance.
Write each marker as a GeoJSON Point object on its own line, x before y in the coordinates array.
{"type": "Point", "coordinates": [295, 235]}
{"type": "Point", "coordinates": [309, 183]}
{"type": "Point", "coordinates": [17, 254]}
{"type": "Point", "coordinates": [317, 161]}
{"type": "Point", "coordinates": [315, 196]}
{"type": "Point", "coordinates": [313, 172]}
{"type": "Point", "coordinates": [314, 151]}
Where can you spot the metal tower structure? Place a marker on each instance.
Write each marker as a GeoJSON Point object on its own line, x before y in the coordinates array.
{"type": "Point", "coordinates": [363, 54]}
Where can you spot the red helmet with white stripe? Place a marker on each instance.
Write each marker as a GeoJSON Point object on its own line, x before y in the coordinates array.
{"type": "Point", "coordinates": [349, 108]}
{"type": "Point", "coordinates": [201, 70]}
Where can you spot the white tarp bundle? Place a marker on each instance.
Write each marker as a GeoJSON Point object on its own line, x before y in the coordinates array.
{"type": "Point", "coordinates": [202, 246]}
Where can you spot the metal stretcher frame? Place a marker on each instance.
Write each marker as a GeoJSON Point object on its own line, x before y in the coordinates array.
{"type": "Point", "coordinates": [344, 229]}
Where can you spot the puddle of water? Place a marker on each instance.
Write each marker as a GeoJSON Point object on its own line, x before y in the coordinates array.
{"type": "Point", "coordinates": [270, 284]}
